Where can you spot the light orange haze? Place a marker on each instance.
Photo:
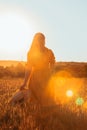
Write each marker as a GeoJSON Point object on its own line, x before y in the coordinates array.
{"type": "Point", "coordinates": [60, 83]}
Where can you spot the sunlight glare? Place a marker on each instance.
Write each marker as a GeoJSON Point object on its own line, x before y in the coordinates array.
{"type": "Point", "coordinates": [69, 93]}
{"type": "Point", "coordinates": [15, 35]}
{"type": "Point", "coordinates": [64, 86]}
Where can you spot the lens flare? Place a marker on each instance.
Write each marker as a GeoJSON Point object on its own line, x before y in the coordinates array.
{"type": "Point", "coordinates": [69, 93]}
{"type": "Point", "coordinates": [64, 87]}
{"type": "Point", "coordinates": [79, 101]}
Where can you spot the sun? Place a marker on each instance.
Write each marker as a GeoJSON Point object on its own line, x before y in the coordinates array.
{"type": "Point", "coordinates": [16, 33]}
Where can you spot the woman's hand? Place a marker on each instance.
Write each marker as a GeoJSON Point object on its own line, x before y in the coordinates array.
{"type": "Point", "coordinates": [22, 87]}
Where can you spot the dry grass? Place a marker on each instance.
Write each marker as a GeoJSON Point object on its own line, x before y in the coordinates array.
{"type": "Point", "coordinates": [32, 117]}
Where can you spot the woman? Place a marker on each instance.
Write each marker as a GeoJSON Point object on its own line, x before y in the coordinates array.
{"type": "Point", "coordinates": [40, 62]}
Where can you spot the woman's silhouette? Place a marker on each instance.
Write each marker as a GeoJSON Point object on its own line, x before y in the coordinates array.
{"type": "Point", "coordinates": [40, 62]}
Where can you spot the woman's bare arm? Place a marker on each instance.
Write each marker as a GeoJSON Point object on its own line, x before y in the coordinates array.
{"type": "Point", "coordinates": [28, 73]}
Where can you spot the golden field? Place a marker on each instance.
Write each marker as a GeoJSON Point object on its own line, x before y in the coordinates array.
{"type": "Point", "coordinates": [69, 88]}
{"type": "Point", "coordinates": [63, 116]}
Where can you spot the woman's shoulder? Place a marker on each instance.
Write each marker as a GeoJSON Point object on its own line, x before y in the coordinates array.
{"type": "Point", "coordinates": [48, 50]}
{"type": "Point", "coordinates": [50, 55]}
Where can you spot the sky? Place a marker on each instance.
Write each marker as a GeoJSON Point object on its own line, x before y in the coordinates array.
{"type": "Point", "coordinates": [63, 22]}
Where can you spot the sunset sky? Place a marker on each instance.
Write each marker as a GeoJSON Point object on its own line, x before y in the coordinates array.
{"type": "Point", "coordinates": [64, 23]}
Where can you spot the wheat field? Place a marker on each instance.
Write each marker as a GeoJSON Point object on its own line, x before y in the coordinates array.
{"type": "Point", "coordinates": [28, 116]}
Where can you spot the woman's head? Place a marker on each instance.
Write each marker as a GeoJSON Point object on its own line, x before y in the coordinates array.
{"type": "Point", "coordinates": [37, 48]}
{"type": "Point", "coordinates": [39, 36]}
{"type": "Point", "coordinates": [39, 40]}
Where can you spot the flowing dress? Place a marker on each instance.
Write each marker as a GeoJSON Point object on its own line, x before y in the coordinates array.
{"type": "Point", "coordinates": [42, 63]}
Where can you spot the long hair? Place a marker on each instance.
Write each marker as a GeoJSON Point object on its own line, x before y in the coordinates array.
{"type": "Point", "coordinates": [38, 42]}
{"type": "Point", "coordinates": [37, 47]}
